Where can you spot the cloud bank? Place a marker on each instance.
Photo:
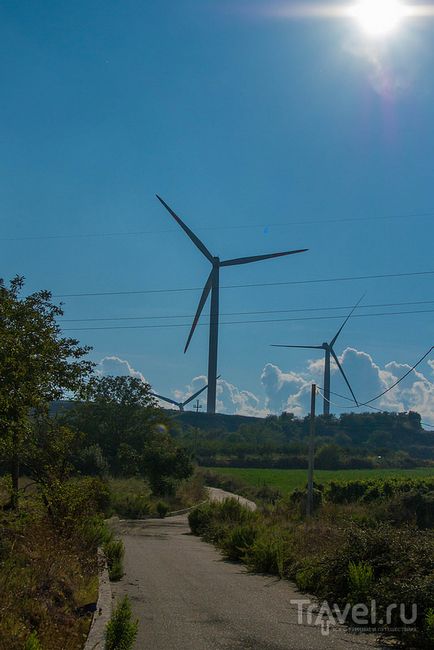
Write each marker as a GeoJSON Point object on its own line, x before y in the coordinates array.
{"type": "Point", "coordinates": [286, 390]}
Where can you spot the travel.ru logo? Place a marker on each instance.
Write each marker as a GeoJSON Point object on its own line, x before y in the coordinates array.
{"type": "Point", "coordinates": [359, 615]}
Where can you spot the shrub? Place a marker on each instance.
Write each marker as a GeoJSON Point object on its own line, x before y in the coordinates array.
{"type": "Point", "coordinates": [114, 552]}
{"type": "Point", "coordinates": [231, 510]}
{"type": "Point", "coordinates": [360, 579]}
{"type": "Point", "coordinates": [200, 519]}
{"type": "Point", "coordinates": [308, 576]}
{"type": "Point", "coordinates": [32, 642]}
{"type": "Point", "coordinates": [121, 631]}
{"type": "Point", "coordinates": [238, 540]}
{"type": "Point", "coordinates": [131, 506]}
{"type": "Point", "coordinates": [269, 553]}
{"type": "Point", "coordinates": [429, 624]}
{"type": "Point", "coordinates": [162, 509]}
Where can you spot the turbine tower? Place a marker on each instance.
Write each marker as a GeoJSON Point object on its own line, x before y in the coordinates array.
{"type": "Point", "coordinates": [212, 286]}
{"type": "Point", "coordinates": [329, 352]}
{"type": "Point", "coordinates": [180, 405]}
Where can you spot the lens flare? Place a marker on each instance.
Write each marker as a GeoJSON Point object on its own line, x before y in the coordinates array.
{"type": "Point", "coordinates": [379, 17]}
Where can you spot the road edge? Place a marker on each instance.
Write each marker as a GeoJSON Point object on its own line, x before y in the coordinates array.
{"type": "Point", "coordinates": [96, 637]}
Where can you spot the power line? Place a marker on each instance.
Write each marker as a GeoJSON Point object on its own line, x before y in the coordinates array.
{"type": "Point", "coordinates": [242, 313]}
{"type": "Point", "coordinates": [374, 408]}
{"type": "Point", "coordinates": [239, 322]}
{"type": "Point", "coordinates": [242, 286]}
{"type": "Point", "coordinates": [246, 226]}
{"type": "Point", "coordinates": [374, 399]}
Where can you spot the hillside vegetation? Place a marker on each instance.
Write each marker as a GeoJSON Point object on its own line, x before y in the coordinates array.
{"type": "Point", "coordinates": [351, 441]}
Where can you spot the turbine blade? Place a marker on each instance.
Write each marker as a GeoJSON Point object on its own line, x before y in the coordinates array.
{"type": "Point", "coordinates": [200, 245]}
{"type": "Point", "coordinates": [258, 258]}
{"type": "Point", "coordinates": [195, 395]}
{"type": "Point", "coordinates": [303, 347]}
{"type": "Point", "coordinates": [343, 374]}
{"type": "Point", "coordinates": [202, 301]}
{"type": "Point", "coordinates": [333, 341]}
{"type": "Point", "coordinates": [166, 399]}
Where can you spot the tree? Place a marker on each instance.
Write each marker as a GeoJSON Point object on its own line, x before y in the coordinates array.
{"type": "Point", "coordinates": [122, 417]}
{"type": "Point", "coordinates": [119, 414]}
{"type": "Point", "coordinates": [164, 463]}
{"type": "Point", "coordinates": [37, 365]}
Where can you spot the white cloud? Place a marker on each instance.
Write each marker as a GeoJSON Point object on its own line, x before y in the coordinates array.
{"type": "Point", "coordinates": [285, 390]}
{"type": "Point", "coordinates": [367, 379]}
{"type": "Point", "coordinates": [230, 399]}
{"type": "Point", "coordinates": [279, 386]}
{"type": "Point", "coordinates": [114, 366]}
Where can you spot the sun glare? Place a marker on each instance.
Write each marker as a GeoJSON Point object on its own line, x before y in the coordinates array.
{"type": "Point", "coordinates": [379, 17]}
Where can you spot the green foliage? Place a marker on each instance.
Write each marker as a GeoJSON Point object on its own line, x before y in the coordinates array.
{"type": "Point", "coordinates": [238, 541]}
{"type": "Point", "coordinates": [69, 502]}
{"type": "Point", "coordinates": [121, 630]}
{"type": "Point", "coordinates": [328, 457]}
{"type": "Point", "coordinates": [37, 366]}
{"type": "Point", "coordinates": [114, 551]}
{"type": "Point", "coordinates": [360, 581]}
{"type": "Point", "coordinates": [163, 463]}
{"type": "Point", "coordinates": [429, 624]}
{"type": "Point", "coordinates": [308, 576]}
{"type": "Point", "coordinates": [131, 506]}
{"type": "Point", "coordinates": [270, 553]}
{"type": "Point", "coordinates": [287, 480]}
{"type": "Point", "coordinates": [127, 434]}
{"type": "Point", "coordinates": [32, 642]}
{"type": "Point", "coordinates": [362, 441]}
{"type": "Point", "coordinates": [200, 519]}
{"type": "Point", "coordinates": [162, 509]}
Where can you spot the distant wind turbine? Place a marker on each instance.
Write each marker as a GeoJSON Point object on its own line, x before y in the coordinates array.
{"type": "Point", "coordinates": [181, 405]}
{"type": "Point", "coordinates": [329, 352]}
{"type": "Point", "coordinates": [212, 286]}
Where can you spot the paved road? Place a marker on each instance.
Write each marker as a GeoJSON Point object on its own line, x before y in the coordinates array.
{"type": "Point", "coordinates": [187, 598]}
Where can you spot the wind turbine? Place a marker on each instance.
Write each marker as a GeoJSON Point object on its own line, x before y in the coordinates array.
{"type": "Point", "coordinates": [180, 405]}
{"type": "Point", "coordinates": [329, 352]}
{"type": "Point", "coordinates": [212, 286]}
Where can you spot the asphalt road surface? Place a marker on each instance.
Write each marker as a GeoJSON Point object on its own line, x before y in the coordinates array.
{"type": "Point", "coordinates": [186, 597]}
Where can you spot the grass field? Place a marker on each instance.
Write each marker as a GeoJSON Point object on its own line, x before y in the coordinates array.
{"type": "Point", "coordinates": [287, 480]}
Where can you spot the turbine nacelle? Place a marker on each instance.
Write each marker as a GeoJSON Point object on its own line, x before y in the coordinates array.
{"type": "Point", "coordinates": [328, 348]}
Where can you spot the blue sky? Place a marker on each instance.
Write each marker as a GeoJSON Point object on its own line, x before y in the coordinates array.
{"type": "Point", "coordinates": [237, 117]}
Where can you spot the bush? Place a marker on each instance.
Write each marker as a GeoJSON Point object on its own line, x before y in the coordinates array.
{"type": "Point", "coordinates": [32, 642]}
{"type": "Point", "coordinates": [114, 552]}
{"type": "Point", "coordinates": [200, 519]}
{"type": "Point", "coordinates": [121, 631]}
{"type": "Point", "coordinates": [238, 540]}
{"type": "Point", "coordinates": [269, 553]}
{"type": "Point", "coordinates": [131, 506]}
{"type": "Point", "coordinates": [429, 624]}
{"type": "Point", "coordinates": [360, 579]}
{"type": "Point", "coordinates": [162, 509]}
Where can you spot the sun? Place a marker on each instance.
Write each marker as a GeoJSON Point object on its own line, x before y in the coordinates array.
{"type": "Point", "coordinates": [379, 17]}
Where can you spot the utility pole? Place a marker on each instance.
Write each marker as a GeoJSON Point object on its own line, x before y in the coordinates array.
{"type": "Point", "coordinates": [197, 406]}
{"type": "Point", "coordinates": [309, 508]}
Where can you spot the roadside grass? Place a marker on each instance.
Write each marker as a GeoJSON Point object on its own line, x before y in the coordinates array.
{"type": "Point", "coordinates": [287, 480]}
{"type": "Point", "coordinates": [349, 552]}
{"type": "Point", "coordinates": [48, 567]}
{"type": "Point", "coordinates": [132, 498]}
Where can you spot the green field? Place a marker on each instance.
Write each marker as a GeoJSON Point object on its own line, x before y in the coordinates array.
{"type": "Point", "coordinates": [287, 480]}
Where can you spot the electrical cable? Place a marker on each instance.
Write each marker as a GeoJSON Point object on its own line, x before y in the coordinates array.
{"type": "Point", "coordinates": [374, 408]}
{"type": "Point", "coordinates": [285, 224]}
{"type": "Point", "coordinates": [242, 286]}
{"type": "Point", "coordinates": [248, 322]}
{"type": "Point", "coordinates": [245, 313]}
